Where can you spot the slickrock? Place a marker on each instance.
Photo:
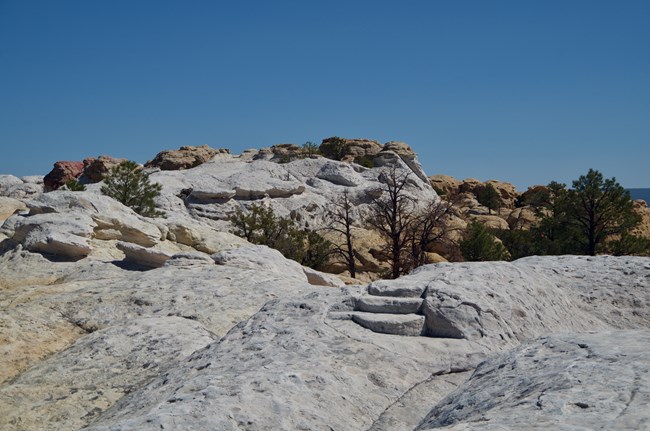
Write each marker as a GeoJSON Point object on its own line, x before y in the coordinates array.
{"type": "Point", "coordinates": [125, 357]}
{"type": "Point", "coordinates": [563, 382]}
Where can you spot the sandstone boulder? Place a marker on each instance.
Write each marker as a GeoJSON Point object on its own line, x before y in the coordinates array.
{"type": "Point", "coordinates": [9, 206]}
{"type": "Point", "coordinates": [147, 257]}
{"type": "Point", "coordinates": [444, 184]}
{"type": "Point", "coordinates": [491, 221]}
{"type": "Point", "coordinates": [349, 149]}
{"type": "Point", "coordinates": [59, 387]}
{"type": "Point", "coordinates": [643, 228]}
{"type": "Point", "coordinates": [95, 169]}
{"type": "Point", "coordinates": [62, 172]}
{"type": "Point", "coordinates": [522, 218]}
{"type": "Point", "coordinates": [185, 157]}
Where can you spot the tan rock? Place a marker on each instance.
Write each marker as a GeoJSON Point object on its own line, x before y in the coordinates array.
{"type": "Point", "coordinates": [284, 153]}
{"type": "Point", "coordinates": [95, 169]}
{"type": "Point", "coordinates": [643, 228]}
{"type": "Point", "coordinates": [435, 258]}
{"type": "Point", "coordinates": [492, 221]}
{"type": "Point", "coordinates": [402, 149]}
{"type": "Point", "coordinates": [533, 192]}
{"type": "Point", "coordinates": [349, 149]}
{"type": "Point", "coordinates": [8, 206]}
{"type": "Point", "coordinates": [444, 185]}
{"type": "Point", "coordinates": [522, 218]}
{"type": "Point", "coordinates": [184, 158]}
{"type": "Point", "coordinates": [507, 193]}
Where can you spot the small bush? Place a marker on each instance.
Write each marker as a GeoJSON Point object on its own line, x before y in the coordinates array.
{"type": "Point", "coordinates": [75, 186]}
{"type": "Point", "coordinates": [260, 225]}
{"type": "Point", "coordinates": [364, 161]}
{"type": "Point", "coordinates": [128, 184]}
{"type": "Point", "coordinates": [480, 245]}
{"type": "Point", "coordinates": [333, 148]}
{"type": "Point", "coordinates": [309, 149]}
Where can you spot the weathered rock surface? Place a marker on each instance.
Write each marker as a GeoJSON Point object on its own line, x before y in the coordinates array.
{"type": "Point", "coordinates": [586, 381]}
{"type": "Point", "coordinates": [300, 361]}
{"type": "Point", "coordinates": [184, 158]}
{"type": "Point", "coordinates": [17, 188]}
{"type": "Point", "coordinates": [124, 357]}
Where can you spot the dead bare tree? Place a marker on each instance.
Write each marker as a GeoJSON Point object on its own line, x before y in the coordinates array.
{"type": "Point", "coordinates": [393, 217]}
{"type": "Point", "coordinates": [432, 224]}
{"type": "Point", "coordinates": [341, 222]}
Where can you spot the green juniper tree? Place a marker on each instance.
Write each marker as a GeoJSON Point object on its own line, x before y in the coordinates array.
{"type": "Point", "coordinates": [260, 225]}
{"type": "Point", "coordinates": [128, 184]}
{"type": "Point", "coordinates": [480, 245]}
{"type": "Point", "coordinates": [488, 196]}
{"type": "Point", "coordinates": [599, 208]}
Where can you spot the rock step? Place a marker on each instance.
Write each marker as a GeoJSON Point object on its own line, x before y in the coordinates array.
{"type": "Point", "coordinates": [396, 324]}
{"type": "Point", "coordinates": [386, 304]}
{"type": "Point", "coordinates": [382, 288]}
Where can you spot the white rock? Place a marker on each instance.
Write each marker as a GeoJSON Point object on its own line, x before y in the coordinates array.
{"type": "Point", "coordinates": [152, 257]}
{"type": "Point", "coordinates": [585, 381]}
{"type": "Point", "coordinates": [65, 237]}
{"type": "Point", "coordinates": [96, 371]}
{"type": "Point", "coordinates": [318, 278]}
{"type": "Point", "coordinates": [260, 258]}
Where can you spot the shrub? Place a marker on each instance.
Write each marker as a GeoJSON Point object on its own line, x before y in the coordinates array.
{"type": "Point", "coordinates": [333, 148]}
{"type": "Point", "coordinates": [260, 225]}
{"type": "Point", "coordinates": [75, 186]}
{"type": "Point", "coordinates": [128, 184]}
{"type": "Point", "coordinates": [364, 161]}
{"type": "Point", "coordinates": [309, 149]}
{"type": "Point", "coordinates": [481, 245]}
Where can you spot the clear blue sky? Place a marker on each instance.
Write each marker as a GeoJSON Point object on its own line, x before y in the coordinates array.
{"type": "Point", "coordinates": [522, 91]}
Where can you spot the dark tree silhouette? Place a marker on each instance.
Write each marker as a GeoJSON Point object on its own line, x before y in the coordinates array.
{"type": "Point", "coordinates": [341, 222]}
{"type": "Point", "coordinates": [599, 208]}
{"type": "Point", "coordinates": [393, 217]}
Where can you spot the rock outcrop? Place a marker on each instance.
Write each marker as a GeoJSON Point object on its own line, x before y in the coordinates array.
{"type": "Point", "coordinates": [62, 172]}
{"type": "Point", "coordinates": [184, 158]}
{"type": "Point", "coordinates": [96, 168]}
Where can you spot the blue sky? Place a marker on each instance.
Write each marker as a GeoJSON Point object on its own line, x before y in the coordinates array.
{"type": "Point", "coordinates": [522, 91]}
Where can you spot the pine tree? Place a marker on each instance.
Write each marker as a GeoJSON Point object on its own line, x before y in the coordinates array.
{"type": "Point", "coordinates": [128, 184]}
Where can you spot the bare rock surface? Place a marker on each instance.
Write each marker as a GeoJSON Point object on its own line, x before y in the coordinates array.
{"type": "Point", "coordinates": [564, 382]}
{"type": "Point", "coordinates": [123, 358]}
{"type": "Point", "coordinates": [17, 188]}
{"type": "Point", "coordinates": [292, 355]}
